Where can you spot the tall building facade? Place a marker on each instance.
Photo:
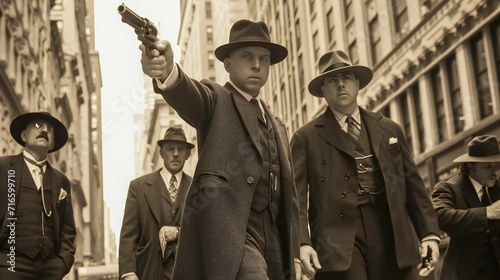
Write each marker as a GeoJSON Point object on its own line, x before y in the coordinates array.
{"type": "Point", "coordinates": [48, 63]}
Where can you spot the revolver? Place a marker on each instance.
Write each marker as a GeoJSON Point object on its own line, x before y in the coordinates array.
{"type": "Point", "coordinates": [145, 29]}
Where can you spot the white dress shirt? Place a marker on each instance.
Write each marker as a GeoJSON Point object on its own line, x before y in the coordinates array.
{"type": "Point", "coordinates": [341, 118]}
{"type": "Point", "coordinates": [34, 170]}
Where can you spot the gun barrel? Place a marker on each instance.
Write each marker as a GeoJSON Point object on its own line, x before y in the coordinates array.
{"type": "Point", "coordinates": [131, 18]}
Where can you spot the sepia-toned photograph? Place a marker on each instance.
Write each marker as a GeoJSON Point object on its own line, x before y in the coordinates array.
{"type": "Point", "coordinates": [250, 139]}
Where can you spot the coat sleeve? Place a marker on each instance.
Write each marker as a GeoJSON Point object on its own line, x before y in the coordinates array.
{"type": "Point", "coordinates": [455, 221]}
{"type": "Point", "coordinates": [192, 100]}
{"type": "Point", "coordinates": [418, 203]}
{"type": "Point", "coordinates": [299, 161]}
{"type": "Point", "coordinates": [129, 236]}
{"type": "Point", "coordinates": [67, 229]}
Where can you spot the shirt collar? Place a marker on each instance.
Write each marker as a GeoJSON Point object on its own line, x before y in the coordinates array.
{"type": "Point", "coordinates": [167, 176]}
{"type": "Point", "coordinates": [341, 117]}
{"type": "Point", "coordinates": [477, 186]}
{"type": "Point", "coordinates": [32, 166]}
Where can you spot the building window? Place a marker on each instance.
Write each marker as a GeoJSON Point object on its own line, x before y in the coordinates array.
{"type": "Point", "coordinates": [210, 35]}
{"type": "Point", "coordinates": [386, 111]}
{"type": "Point", "coordinates": [348, 10]}
{"type": "Point", "coordinates": [211, 60]}
{"type": "Point", "coordinates": [418, 117]}
{"type": "Point", "coordinates": [329, 22]}
{"type": "Point", "coordinates": [400, 16]}
{"type": "Point", "coordinates": [304, 114]}
{"type": "Point", "coordinates": [481, 76]}
{"type": "Point", "coordinates": [208, 10]}
{"type": "Point", "coordinates": [495, 29]}
{"type": "Point", "coordinates": [297, 33]}
{"type": "Point", "coordinates": [437, 91]}
{"type": "Point", "coordinates": [353, 52]}
{"type": "Point", "coordinates": [376, 46]}
{"type": "Point", "coordinates": [403, 105]}
{"type": "Point", "coordinates": [301, 77]}
{"type": "Point", "coordinates": [456, 97]}
{"type": "Point", "coordinates": [315, 46]}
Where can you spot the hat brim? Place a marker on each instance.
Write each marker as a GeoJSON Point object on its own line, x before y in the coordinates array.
{"type": "Point", "coordinates": [19, 124]}
{"type": "Point", "coordinates": [278, 52]}
{"type": "Point", "coordinates": [160, 143]}
{"type": "Point", "coordinates": [467, 158]}
{"type": "Point", "coordinates": [363, 74]}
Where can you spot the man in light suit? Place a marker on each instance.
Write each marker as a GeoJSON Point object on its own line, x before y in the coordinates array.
{"type": "Point", "coordinates": [37, 233]}
{"type": "Point", "coordinates": [468, 210]}
{"type": "Point", "coordinates": [240, 218]}
{"type": "Point", "coordinates": [152, 218]}
{"type": "Point", "coordinates": [358, 187]}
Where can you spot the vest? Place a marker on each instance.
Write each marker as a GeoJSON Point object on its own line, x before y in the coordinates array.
{"type": "Point", "coordinates": [34, 230]}
{"type": "Point", "coordinates": [267, 191]}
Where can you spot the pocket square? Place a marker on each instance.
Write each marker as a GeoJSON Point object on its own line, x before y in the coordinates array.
{"type": "Point", "coordinates": [393, 140]}
{"type": "Point", "coordinates": [62, 195]}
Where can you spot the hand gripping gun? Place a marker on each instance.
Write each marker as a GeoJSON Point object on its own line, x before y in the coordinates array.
{"type": "Point", "coordinates": [145, 30]}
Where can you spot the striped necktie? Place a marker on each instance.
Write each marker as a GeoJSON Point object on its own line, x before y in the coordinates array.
{"type": "Point", "coordinates": [255, 103]}
{"type": "Point", "coordinates": [173, 188]}
{"type": "Point", "coordinates": [353, 128]}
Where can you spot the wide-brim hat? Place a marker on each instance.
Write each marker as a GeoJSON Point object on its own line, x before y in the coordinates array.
{"type": "Point", "coordinates": [19, 124]}
{"type": "Point", "coordinates": [481, 149]}
{"type": "Point", "coordinates": [175, 134]}
{"type": "Point", "coordinates": [338, 62]}
{"type": "Point", "coordinates": [245, 33]}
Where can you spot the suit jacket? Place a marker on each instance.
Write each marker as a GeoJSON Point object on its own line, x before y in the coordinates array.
{"type": "Point", "coordinates": [149, 208]}
{"type": "Point", "coordinates": [230, 163]}
{"type": "Point", "coordinates": [462, 216]}
{"type": "Point", "coordinates": [326, 169]}
{"type": "Point", "coordinates": [64, 223]}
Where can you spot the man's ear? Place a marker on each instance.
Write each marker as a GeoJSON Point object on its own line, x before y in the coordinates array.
{"type": "Point", "coordinates": [161, 153]}
{"type": "Point", "coordinates": [322, 90]}
{"type": "Point", "coordinates": [23, 135]}
{"type": "Point", "coordinates": [227, 63]}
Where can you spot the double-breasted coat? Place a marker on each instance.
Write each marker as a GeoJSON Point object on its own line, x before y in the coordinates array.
{"type": "Point", "coordinates": [214, 220]}
{"type": "Point", "coordinates": [148, 208]}
{"type": "Point", "coordinates": [325, 169]}
{"type": "Point", "coordinates": [462, 216]}
{"type": "Point", "coordinates": [11, 167]}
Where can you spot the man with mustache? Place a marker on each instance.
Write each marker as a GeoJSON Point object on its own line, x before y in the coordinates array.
{"type": "Point", "coordinates": [37, 233]}
{"type": "Point", "coordinates": [240, 217]}
{"type": "Point", "coordinates": [468, 210]}
{"type": "Point", "coordinates": [152, 218]}
{"type": "Point", "coordinates": [359, 190]}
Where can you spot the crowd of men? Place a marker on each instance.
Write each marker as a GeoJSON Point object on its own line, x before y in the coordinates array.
{"type": "Point", "coordinates": [343, 199]}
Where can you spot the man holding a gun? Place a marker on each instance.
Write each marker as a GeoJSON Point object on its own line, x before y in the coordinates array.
{"type": "Point", "coordinates": [240, 219]}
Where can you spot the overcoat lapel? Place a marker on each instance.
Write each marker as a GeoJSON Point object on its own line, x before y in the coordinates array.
{"type": "Point", "coordinates": [470, 193]}
{"type": "Point", "coordinates": [156, 185]}
{"type": "Point", "coordinates": [246, 109]}
{"type": "Point", "coordinates": [182, 191]}
{"type": "Point", "coordinates": [375, 132]}
{"type": "Point", "coordinates": [330, 131]}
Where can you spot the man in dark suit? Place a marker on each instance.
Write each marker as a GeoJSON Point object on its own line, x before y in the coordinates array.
{"type": "Point", "coordinates": [152, 218]}
{"type": "Point", "coordinates": [241, 215]}
{"type": "Point", "coordinates": [37, 234]}
{"type": "Point", "coordinates": [468, 210]}
{"type": "Point", "coordinates": [358, 187]}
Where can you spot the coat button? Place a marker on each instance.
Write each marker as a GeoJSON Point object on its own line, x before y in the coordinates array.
{"type": "Point", "coordinates": [250, 179]}
{"type": "Point", "coordinates": [344, 194]}
{"type": "Point", "coordinates": [323, 162]}
{"type": "Point", "coordinates": [342, 213]}
{"type": "Point", "coordinates": [347, 176]}
{"type": "Point", "coordinates": [322, 179]}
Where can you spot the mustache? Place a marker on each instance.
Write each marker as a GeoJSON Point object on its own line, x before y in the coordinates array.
{"type": "Point", "coordinates": [43, 134]}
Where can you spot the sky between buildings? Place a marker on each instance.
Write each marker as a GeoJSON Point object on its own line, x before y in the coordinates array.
{"type": "Point", "coordinates": [123, 89]}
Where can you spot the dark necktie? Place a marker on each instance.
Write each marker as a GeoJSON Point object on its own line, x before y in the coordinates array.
{"type": "Point", "coordinates": [485, 198]}
{"type": "Point", "coordinates": [173, 188]}
{"type": "Point", "coordinates": [39, 165]}
{"type": "Point", "coordinates": [352, 128]}
{"type": "Point", "coordinates": [255, 103]}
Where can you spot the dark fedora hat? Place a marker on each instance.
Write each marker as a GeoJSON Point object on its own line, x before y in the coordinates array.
{"type": "Point", "coordinates": [483, 148]}
{"type": "Point", "coordinates": [174, 134]}
{"type": "Point", "coordinates": [245, 33]}
{"type": "Point", "coordinates": [338, 62]}
{"type": "Point", "coordinates": [19, 124]}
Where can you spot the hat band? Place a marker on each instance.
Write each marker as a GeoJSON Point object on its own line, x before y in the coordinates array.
{"type": "Point", "coordinates": [334, 66]}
